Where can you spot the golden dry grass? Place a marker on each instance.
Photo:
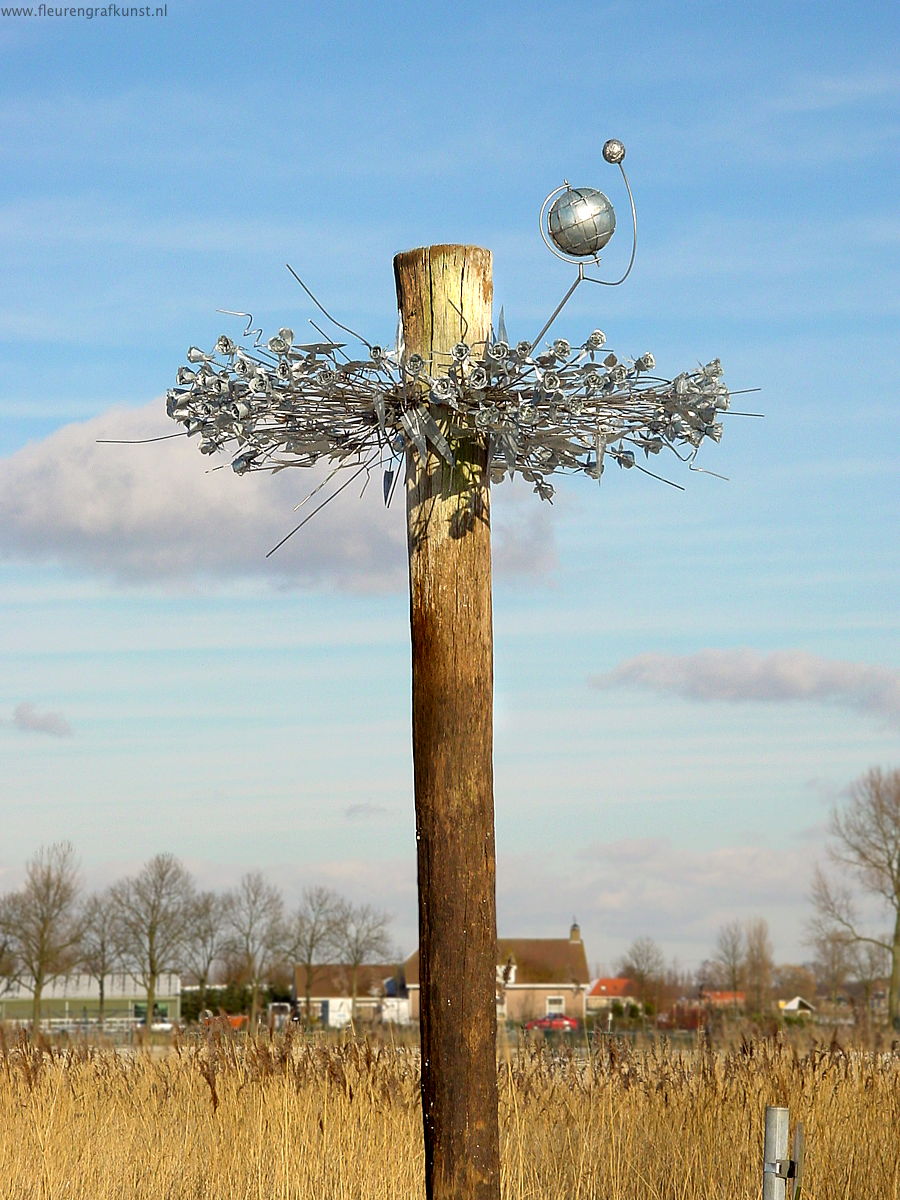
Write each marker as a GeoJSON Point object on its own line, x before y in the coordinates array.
{"type": "Point", "coordinates": [282, 1120]}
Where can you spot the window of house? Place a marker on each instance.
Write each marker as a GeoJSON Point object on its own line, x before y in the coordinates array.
{"type": "Point", "coordinates": [555, 1004]}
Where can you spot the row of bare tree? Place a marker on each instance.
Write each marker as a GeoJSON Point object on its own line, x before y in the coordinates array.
{"type": "Point", "coordinates": [158, 921]}
{"type": "Point", "coordinates": [864, 873]}
{"type": "Point", "coordinates": [743, 963]}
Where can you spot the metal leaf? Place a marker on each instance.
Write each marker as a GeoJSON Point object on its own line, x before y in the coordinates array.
{"type": "Point", "coordinates": [380, 410]}
{"type": "Point", "coordinates": [412, 425]}
{"type": "Point", "coordinates": [435, 436]}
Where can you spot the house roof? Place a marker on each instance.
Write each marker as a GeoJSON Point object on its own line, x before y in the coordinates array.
{"type": "Point", "coordinates": [616, 987]}
{"type": "Point", "coordinates": [724, 998]}
{"type": "Point", "coordinates": [336, 979]}
{"type": "Point", "coordinates": [537, 961]}
{"type": "Point", "coordinates": [798, 1004]}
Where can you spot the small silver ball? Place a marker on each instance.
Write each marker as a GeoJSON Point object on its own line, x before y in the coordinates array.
{"type": "Point", "coordinates": [614, 151]}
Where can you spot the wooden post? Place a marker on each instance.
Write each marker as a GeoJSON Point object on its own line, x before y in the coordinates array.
{"type": "Point", "coordinates": [444, 294]}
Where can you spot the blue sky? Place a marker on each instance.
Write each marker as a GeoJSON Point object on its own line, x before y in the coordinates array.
{"type": "Point", "coordinates": [685, 681]}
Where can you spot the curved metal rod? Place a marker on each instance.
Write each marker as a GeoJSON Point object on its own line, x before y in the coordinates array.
{"type": "Point", "coordinates": [581, 275]}
{"type": "Point", "coordinates": [138, 441]}
{"type": "Point", "coordinates": [464, 320]}
{"type": "Point", "coordinates": [661, 478]}
{"type": "Point", "coordinates": [562, 304]}
{"type": "Point", "coordinates": [257, 333]}
{"type": "Point", "coordinates": [319, 329]}
{"type": "Point", "coordinates": [321, 307]}
{"type": "Point", "coordinates": [542, 222]}
{"type": "Point", "coordinates": [616, 282]}
{"type": "Point", "coordinates": [705, 471]}
{"type": "Point", "coordinates": [309, 516]}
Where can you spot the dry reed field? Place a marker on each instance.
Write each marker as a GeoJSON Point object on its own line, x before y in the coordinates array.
{"type": "Point", "coordinates": [227, 1119]}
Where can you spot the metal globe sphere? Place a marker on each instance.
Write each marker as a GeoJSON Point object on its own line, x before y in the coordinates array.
{"type": "Point", "coordinates": [581, 221]}
{"type": "Point", "coordinates": [614, 151]}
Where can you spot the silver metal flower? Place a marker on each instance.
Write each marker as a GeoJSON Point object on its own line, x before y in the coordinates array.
{"type": "Point", "coordinates": [539, 409]}
{"type": "Point", "coordinates": [443, 389]}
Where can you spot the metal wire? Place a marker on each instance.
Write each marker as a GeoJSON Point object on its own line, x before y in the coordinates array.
{"type": "Point", "coordinates": [321, 307]}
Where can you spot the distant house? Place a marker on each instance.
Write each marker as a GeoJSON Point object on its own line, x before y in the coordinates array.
{"type": "Point", "coordinates": [74, 1000]}
{"type": "Point", "coordinates": [536, 977]}
{"type": "Point", "coordinates": [796, 1006]}
{"type": "Point", "coordinates": [716, 999]}
{"type": "Point", "coordinates": [603, 993]}
{"type": "Point", "coordinates": [380, 994]}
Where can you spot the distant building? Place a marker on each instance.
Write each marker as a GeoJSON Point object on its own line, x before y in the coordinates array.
{"type": "Point", "coordinates": [604, 993]}
{"type": "Point", "coordinates": [796, 1006]}
{"type": "Point", "coordinates": [380, 994]}
{"type": "Point", "coordinates": [536, 977]}
{"type": "Point", "coordinates": [723, 999]}
{"type": "Point", "coordinates": [75, 1000]}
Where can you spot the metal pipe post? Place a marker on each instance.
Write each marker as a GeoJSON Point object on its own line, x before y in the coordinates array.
{"type": "Point", "coordinates": [775, 1153]}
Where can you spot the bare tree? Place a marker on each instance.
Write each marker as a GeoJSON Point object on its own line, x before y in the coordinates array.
{"type": "Point", "coordinates": [361, 935]}
{"type": "Point", "coordinates": [255, 922]}
{"type": "Point", "coordinates": [758, 965]}
{"type": "Point", "coordinates": [41, 920]}
{"type": "Point", "coordinates": [206, 937]}
{"type": "Point", "coordinates": [793, 979]}
{"type": "Point", "coordinates": [677, 982]}
{"type": "Point", "coordinates": [645, 963]}
{"type": "Point", "coordinates": [871, 964]}
{"type": "Point", "coordinates": [7, 958]}
{"type": "Point", "coordinates": [152, 909]}
{"type": "Point", "coordinates": [865, 847]}
{"type": "Point", "coordinates": [833, 962]}
{"type": "Point", "coordinates": [312, 933]}
{"type": "Point", "coordinates": [101, 942]}
{"type": "Point", "coordinates": [729, 956]}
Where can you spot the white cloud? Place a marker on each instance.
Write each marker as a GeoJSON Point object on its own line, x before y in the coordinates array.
{"type": "Point", "coordinates": [820, 93]}
{"type": "Point", "coordinates": [748, 675]}
{"type": "Point", "coordinates": [650, 887]}
{"type": "Point", "coordinates": [364, 811]}
{"type": "Point", "coordinates": [158, 514]}
{"type": "Point", "coordinates": [27, 719]}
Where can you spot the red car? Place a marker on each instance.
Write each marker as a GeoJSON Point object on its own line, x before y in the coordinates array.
{"type": "Point", "coordinates": [554, 1021]}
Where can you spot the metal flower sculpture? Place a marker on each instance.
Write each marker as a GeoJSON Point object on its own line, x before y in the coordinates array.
{"type": "Point", "coordinates": [541, 408]}
{"type": "Point", "coordinates": [459, 407]}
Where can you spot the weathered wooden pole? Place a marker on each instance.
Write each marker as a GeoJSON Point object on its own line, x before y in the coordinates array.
{"type": "Point", "coordinates": [444, 295]}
